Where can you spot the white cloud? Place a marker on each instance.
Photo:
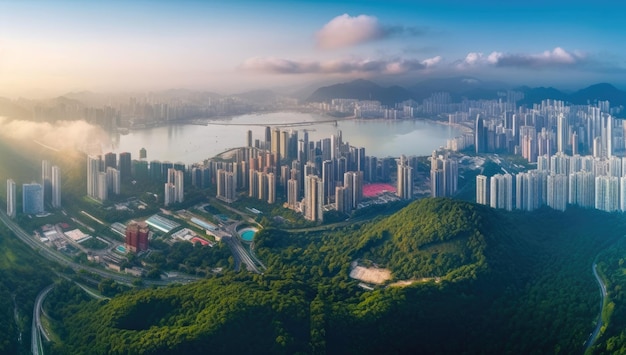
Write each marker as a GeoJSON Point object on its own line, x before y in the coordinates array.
{"type": "Point", "coordinates": [558, 57]}
{"type": "Point", "coordinates": [345, 31]}
{"type": "Point", "coordinates": [341, 66]}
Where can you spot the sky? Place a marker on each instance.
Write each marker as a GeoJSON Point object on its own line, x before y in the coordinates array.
{"type": "Point", "coordinates": [54, 47]}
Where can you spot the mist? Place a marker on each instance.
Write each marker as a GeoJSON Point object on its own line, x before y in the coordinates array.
{"type": "Point", "coordinates": [61, 135]}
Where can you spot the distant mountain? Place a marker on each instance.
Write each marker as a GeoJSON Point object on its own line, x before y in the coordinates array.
{"type": "Point", "coordinates": [458, 88]}
{"type": "Point", "coordinates": [596, 92]}
{"type": "Point", "coordinates": [536, 95]}
{"type": "Point", "coordinates": [361, 90]}
{"type": "Point", "coordinates": [461, 88]}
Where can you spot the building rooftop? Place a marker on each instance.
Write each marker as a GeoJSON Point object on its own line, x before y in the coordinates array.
{"type": "Point", "coordinates": [161, 223]}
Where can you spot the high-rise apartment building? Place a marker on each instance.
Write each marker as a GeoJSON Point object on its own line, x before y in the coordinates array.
{"type": "Point", "coordinates": [482, 190]}
{"type": "Point", "coordinates": [102, 189]}
{"type": "Point", "coordinates": [137, 234]}
{"type": "Point", "coordinates": [226, 185]}
{"type": "Point", "coordinates": [501, 192]}
{"type": "Point", "coordinates": [313, 198]}
{"type": "Point", "coordinates": [11, 199]}
{"type": "Point", "coordinates": [405, 179]}
{"type": "Point", "coordinates": [557, 192]}
{"type": "Point", "coordinates": [125, 163]}
{"type": "Point", "coordinates": [93, 168]}
{"type": "Point", "coordinates": [56, 186]}
{"type": "Point", "coordinates": [113, 181]}
{"type": "Point", "coordinates": [32, 198]}
{"type": "Point", "coordinates": [46, 180]}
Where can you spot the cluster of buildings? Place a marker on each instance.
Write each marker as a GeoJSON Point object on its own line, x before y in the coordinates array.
{"type": "Point", "coordinates": [574, 147]}
{"type": "Point", "coordinates": [313, 175]}
{"type": "Point", "coordinates": [368, 108]}
{"type": "Point", "coordinates": [104, 175]}
{"type": "Point", "coordinates": [444, 175]}
{"type": "Point", "coordinates": [35, 195]}
{"type": "Point", "coordinates": [558, 181]}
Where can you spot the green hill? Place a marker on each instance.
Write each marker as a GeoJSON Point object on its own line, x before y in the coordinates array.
{"type": "Point", "coordinates": [432, 238]}
{"type": "Point", "coordinates": [510, 283]}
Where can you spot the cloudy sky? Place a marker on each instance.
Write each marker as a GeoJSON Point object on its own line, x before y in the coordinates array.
{"type": "Point", "coordinates": [51, 47]}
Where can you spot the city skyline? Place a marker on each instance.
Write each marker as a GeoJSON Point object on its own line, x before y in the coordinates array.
{"type": "Point", "coordinates": [49, 48]}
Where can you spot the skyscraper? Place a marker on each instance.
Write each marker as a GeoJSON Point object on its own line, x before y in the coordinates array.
{"type": "Point", "coordinates": [110, 160]}
{"type": "Point", "coordinates": [405, 179]}
{"type": "Point", "coordinates": [125, 165]}
{"type": "Point", "coordinates": [102, 190]}
{"type": "Point", "coordinates": [328, 177]}
{"type": "Point", "coordinates": [557, 191]}
{"type": "Point", "coordinates": [561, 133]}
{"type": "Point", "coordinates": [482, 191]}
{"type": "Point", "coordinates": [480, 136]}
{"type": "Point", "coordinates": [143, 153]}
{"type": "Point", "coordinates": [46, 180]}
{"type": "Point", "coordinates": [113, 181]}
{"type": "Point", "coordinates": [292, 193]}
{"type": "Point", "coordinates": [32, 198]}
{"type": "Point", "coordinates": [56, 187]}
{"type": "Point", "coordinates": [501, 191]}
{"type": "Point", "coordinates": [607, 193]}
{"type": "Point", "coordinates": [11, 198]}
{"type": "Point", "coordinates": [226, 185]}
{"type": "Point", "coordinates": [275, 142]}
{"type": "Point", "coordinates": [271, 188]}
{"type": "Point", "coordinates": [313, 198]}
{"type": "Point", "coordinates": [93, 168]}
{"type": "Point", "coordinates": [137, 234]}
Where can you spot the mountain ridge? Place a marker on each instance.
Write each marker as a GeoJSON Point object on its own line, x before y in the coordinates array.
{"type": "Point", "coordinates": [463, 88]}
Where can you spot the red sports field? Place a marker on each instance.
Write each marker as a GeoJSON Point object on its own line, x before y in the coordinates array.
{"type": "Point", "coordinates": [199, 240]}
{"type": "Point", "coordinates": [373, 190]}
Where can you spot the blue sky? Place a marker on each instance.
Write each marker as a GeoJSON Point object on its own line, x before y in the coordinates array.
{"type": "Point", "coordinates": [50, 47]}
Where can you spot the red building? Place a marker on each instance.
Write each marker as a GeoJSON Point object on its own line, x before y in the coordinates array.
{"type": "Point", "coordinates": [137, 236]}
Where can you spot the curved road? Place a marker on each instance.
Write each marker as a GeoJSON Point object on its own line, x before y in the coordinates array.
{"type": "Point", "coordinates": [594, 336]}
{"type": "Point", "coordinates": [35, 344]}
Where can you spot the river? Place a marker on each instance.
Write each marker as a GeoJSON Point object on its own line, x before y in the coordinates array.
{"type": "Point", "coordinates": [190, 143]}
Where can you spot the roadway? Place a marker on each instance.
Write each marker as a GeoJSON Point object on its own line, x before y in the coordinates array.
{"type": "Point", "coordinates": [36, 344]}
{"type": "Point", "coordinates": [596, 333]}
{"type": "Point", "coordinates": [239, 252]}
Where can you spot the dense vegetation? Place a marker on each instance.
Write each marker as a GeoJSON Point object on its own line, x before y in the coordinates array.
{"type": "Point", "coordinates": [509, 282]}
{"type": "Point", "coordinates": [613, 271]}
{"type": "Point", "coordinates": [22, 276]}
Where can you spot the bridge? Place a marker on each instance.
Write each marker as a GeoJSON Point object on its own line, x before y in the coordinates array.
{"type": "Point", "coordinates": [286, 124]}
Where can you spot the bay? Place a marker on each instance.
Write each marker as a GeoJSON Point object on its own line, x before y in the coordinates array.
{"type": "Point", "coordinates": [190, 143]}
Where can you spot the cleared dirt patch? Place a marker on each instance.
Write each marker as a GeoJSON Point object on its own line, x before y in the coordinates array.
{"type": "Point", "coordinates": [371, 275]}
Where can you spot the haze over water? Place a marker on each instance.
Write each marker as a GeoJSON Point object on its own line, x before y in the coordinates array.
{"type": "Point", "coordinates": [194, 143]}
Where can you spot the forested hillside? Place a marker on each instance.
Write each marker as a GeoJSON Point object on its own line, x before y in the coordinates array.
{"type": "Point", "coordinates": [508, 282]}
{"type": "Point", "coordinates": [22, 276]}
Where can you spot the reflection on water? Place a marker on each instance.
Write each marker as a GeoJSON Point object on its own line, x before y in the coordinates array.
{"type": "Point", "coordinates": [194, 143]}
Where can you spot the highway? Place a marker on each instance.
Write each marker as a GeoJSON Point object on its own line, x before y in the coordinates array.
{"type": "Point", "coordinates": [239, 252]}
{"type": "Point", "coordinates": [36, 344]}
{"type": "Point", "coordinates": [594, 336]}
